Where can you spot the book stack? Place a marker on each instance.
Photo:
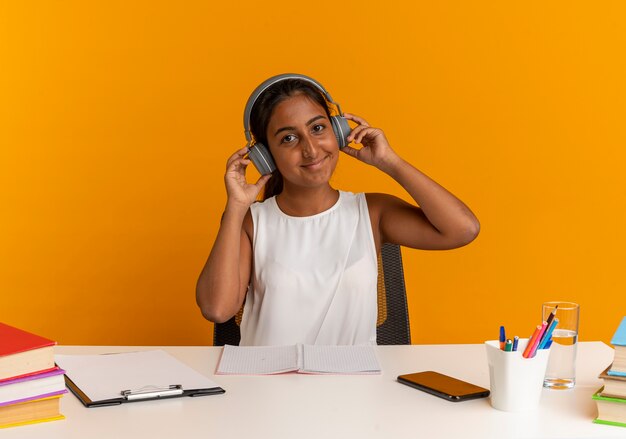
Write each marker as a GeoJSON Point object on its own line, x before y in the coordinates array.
{"type": "Point", "coordinates": [611, 399]}
{"type": "Point", "coordinates": [30, 383]}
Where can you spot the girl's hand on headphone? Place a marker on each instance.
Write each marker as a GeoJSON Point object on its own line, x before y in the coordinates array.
{"type": "Point", "coordinates": [239, 191]}
{"type": "Point", "coordinates": [376, 150]}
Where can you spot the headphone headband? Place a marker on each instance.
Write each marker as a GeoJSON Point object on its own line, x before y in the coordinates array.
{"type": "Point", "coordinates": [268, 83]}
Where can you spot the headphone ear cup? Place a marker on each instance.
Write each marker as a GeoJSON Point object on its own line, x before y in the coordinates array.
{"type": "Point", "coordinates": [341, 129]}
{"type": "Point", "coordinates": [261, 158]}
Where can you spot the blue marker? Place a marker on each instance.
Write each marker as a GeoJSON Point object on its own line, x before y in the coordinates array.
{"type": "Point", "coordinates": [515, 341]}
{"type": "Point", "coordinates": [502, 338]}
{"type": "Point", "coordinates": [548, 334]}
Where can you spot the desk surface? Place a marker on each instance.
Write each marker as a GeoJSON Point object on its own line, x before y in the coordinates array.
{"type": "Point", "coordinates": [316, 406]}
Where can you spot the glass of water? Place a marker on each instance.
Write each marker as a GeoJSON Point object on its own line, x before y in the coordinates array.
{"type": "Point", "coordinates": [561, 371]}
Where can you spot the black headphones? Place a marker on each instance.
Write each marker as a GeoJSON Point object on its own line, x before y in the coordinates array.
{"type": "Point", "coordinates": [258, 153]}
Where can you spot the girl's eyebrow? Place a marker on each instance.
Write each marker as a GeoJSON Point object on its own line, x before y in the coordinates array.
{"type": "Point", "coordinates": [309, 122]}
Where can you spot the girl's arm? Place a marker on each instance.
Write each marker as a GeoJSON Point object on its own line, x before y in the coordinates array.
{"type": "Point", "coordinates": [441, 221]}
{"type": "Point", "coordinates": [222, 285]}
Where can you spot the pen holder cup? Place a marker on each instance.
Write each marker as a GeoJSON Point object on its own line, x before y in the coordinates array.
{"type": "Point", "coordinates": [516, 382]}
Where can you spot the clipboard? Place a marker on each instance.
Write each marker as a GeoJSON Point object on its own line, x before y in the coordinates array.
{"type": "Point", "coordinates": [113, 379]}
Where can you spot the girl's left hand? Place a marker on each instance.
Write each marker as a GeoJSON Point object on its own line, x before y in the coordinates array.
{"type": "Point", "coordinates": [376, 150]}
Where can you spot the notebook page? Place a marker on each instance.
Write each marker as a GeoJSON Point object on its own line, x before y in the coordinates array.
{"type": "Point", "coordinates": [257, 360]}
{"type": "Point", "coordinates": [360, 359]}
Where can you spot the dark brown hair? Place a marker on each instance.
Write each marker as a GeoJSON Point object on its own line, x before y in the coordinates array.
{"type": "Point", "coordinates": [264, 108]}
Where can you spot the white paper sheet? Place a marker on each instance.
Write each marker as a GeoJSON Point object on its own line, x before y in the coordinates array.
{"type": "Point", "coordinates": [103, 377]}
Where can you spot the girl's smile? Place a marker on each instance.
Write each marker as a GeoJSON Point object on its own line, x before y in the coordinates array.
{"type": "Point", "coordinates": [313, 166]}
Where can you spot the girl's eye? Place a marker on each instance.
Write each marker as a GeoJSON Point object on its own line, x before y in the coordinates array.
{"type": "Point", "coordinates": [318, 128]}
{"type": "Point", "coordinates": [289, 138]}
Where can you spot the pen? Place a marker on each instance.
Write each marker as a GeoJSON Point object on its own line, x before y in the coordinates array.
{"type": "Point", "coordinates": [533, 349]}
{"type": "Point", "coordinates": [150, 392]}
{"type": "Point", "coordinates": [531, 340]}
{"type": "Point", "coordinates": [502, 338]}
{"type": "Point", "coordinates": [546, 336]}
{"type": "Point", "coordinates": [515, 341]}
{"type": "Point", "coordinates": [508, 345]}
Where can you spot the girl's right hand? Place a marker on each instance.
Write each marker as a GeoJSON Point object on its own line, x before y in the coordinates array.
{"type": "Point", "coordinates": [239, 191]}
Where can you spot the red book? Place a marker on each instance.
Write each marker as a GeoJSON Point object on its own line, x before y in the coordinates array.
{"type": "Point", "coordinates": [23, 353]}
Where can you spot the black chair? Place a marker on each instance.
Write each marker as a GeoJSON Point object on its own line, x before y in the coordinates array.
{"type": "Point", "coordinates": [392, 325]}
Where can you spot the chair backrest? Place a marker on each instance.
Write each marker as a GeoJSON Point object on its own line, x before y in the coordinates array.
{"type": "Point", "coordinates": [392, 325]}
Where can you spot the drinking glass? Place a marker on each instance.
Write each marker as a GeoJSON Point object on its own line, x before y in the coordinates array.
{"type": "Point", "coordinates": [561, 371]}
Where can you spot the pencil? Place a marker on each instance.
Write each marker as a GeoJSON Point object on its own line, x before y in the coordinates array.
{"type": "Point", "coordinates": [531, 341]}
{"type": "Point", "coordinates": [533, 349]}
{"type": "Point", "coordinates": [548, 334]}
{"type": "Point", "coordinates": [552, 315]}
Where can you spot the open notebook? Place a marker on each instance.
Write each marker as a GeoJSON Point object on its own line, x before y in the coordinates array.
{"type": "Point", "coordinates": [266, 360]}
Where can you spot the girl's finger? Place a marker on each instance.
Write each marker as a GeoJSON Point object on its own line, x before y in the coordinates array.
{"type": "Point", "coordinates": [355, 131]}
{"type": "Point", "coordinates": [358, 137]}
{"type": "Point", "coordinates": [356, 119]}
{"type": "Point", "coordinates": [237, 155]}
{"type": "Point", "coordinates": [350, 151]}
{"type": "Point", "coordinates": [238, 164]}
{"type": "Point", "coordinates": [262, 180]}
{"type": "Point", "coordinates": [362, 134]}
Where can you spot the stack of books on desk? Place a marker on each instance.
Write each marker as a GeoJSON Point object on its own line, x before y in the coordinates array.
{"type": "Point", "coordinates": [30, 383]}
{"type": "Point", "coordinates": [611, 399]}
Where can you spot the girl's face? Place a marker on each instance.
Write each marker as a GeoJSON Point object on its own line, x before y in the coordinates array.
{"type": "Point", "coordinates": [302, 142]}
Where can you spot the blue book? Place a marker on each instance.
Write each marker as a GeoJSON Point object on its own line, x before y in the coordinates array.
{"type": "Point", "coordinates": [618, 368]}
{"type": "Point", "coordinates": [619, 338]}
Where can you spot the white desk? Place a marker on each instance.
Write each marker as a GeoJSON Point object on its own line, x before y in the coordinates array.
{"type": "Point", "coordinates": [314, 406]}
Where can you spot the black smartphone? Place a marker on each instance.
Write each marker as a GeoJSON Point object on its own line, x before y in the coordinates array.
{"type": "Point", "coordinates": [443, 386]}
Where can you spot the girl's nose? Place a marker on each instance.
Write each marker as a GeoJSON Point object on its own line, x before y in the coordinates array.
{"type": "Point", "coordinates": [309, 149]}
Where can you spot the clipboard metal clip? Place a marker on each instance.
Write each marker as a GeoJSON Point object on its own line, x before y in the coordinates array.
{"type": "Point", "coordinates": [152, 392]}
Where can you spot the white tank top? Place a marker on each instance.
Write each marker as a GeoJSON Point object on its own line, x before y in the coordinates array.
{"type": "Point", "coordinates": [314, 278]}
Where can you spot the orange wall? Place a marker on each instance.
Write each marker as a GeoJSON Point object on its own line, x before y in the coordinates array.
{"type": "Point", "coordinates": [116, 119]}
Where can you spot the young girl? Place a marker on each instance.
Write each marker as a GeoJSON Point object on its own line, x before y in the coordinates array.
{"type": "Point", "coordinates": [305, 259]}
